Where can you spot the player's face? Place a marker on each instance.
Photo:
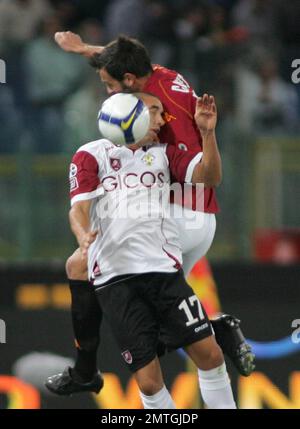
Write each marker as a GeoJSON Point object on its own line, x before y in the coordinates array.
{"type": "Point", "coordinates": [156, 112]}
{"type": "Point", "coordinates": [113, 85]}
{"type": "Point", "coordinates": [156, 119]}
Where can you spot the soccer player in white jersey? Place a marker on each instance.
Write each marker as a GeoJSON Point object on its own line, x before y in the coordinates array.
{"type": "Point", "coordinates": [135, 262]}
{"type": "Point", "coordinates": [124, 65]}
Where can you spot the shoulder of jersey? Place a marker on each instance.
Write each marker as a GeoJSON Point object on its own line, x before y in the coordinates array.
{"type": "Point", "coordinates": [164, 76]}
{"type": "Point", "coordinates": [164, 72]}
{"type": "Point", "coordinates": [96, 147]}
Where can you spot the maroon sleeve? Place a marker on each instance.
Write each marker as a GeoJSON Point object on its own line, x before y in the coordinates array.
{"type": "Point", "coordinates": [83, 174]}
{"type": "Point", "coordinates": [179, 161]}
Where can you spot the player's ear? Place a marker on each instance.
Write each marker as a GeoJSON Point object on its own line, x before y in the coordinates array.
{"type": "Point", "coordinates": [129, 79]}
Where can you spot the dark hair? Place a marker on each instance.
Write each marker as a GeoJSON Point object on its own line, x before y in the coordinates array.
{"type": "Point", "coordinates": [123, 55]}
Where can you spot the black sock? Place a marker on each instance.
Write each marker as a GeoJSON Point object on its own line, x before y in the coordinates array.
{"type": "Point", "coordinates": [85, 366]}
{"type": "Point", "coordinates": [86, 318]}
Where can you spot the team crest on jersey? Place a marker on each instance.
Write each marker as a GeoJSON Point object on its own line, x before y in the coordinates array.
{"type": "Point", "coordinates": [182, 146]}
{"type": "Point", "coordinates": [115, 163]}
{"type": "Point", "coordinates": [72, 177]}
{"type": "Point", "coordinates": [73, 170]}
{"type": "Point", "coordinates": [127, 356]}
{"type": "Point", "coordinates": [148, 159]}
{"type": "Point", "coordinates": [167, 117]}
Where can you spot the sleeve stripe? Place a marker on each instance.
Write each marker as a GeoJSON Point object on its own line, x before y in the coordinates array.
{"type": "Point", "coordinates": [87, 195]}
{"type": "Point", "coordinates": [191, 166]}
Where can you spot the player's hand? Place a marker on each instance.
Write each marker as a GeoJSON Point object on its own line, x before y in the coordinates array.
{"type": "Point", "coordinates": [150, 138]}
{"type": "Point", "coordinates": [85, 242]}
{"type": "Point", "coordinates": [206, 113]}
{"type": "Point", "coordinates": [70, 42]}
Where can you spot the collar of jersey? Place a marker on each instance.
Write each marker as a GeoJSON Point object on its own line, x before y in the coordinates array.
{"type": "Point", "coordinates": [144, 148]}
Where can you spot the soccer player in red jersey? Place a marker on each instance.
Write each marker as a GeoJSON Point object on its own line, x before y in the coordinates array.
{"type": "Point", "coordinates": [124, 65]}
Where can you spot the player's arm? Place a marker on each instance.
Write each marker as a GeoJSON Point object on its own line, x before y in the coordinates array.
{"type": "Point", "coordinates": [196, 166]}
{"type": "Point", "coordinates": [71, 42]}
{"type": "Point", "coordinates": [84, 187]}
{"type": "Point", "coordinates": [79, 217]}
{"type": "Point", "coordinates": [209, 170]}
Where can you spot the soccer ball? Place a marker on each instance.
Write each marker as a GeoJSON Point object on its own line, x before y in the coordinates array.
{"type": "Point", "coordinates": [123, 119]}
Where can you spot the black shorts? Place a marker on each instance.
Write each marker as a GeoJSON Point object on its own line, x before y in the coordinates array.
{"type": "Point", "coordinates": [149, 308]}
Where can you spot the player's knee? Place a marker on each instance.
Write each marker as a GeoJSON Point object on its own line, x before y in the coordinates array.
{"type": "Point", "coordinates": [150, 386]}
{"type": "Point", "coordinates": [68, 267]}
{"type": "Point", "coordinates": [76, 268]}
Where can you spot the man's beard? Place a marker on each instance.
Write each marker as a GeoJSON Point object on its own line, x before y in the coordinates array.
{"type": "Point", "coordinates": [128, 89]}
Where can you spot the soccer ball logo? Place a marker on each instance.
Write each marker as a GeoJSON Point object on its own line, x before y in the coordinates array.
{"type": "Point", "coordinates": [123, 119]}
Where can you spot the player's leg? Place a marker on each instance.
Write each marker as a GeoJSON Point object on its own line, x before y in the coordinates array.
{"type": "Point", "coordinates": [196, 232]}
{"type": "Point", "coordinates": [203, 242]}
{"type": "Point", "coordinates": [86, 320]}
{"type": "Point", "coordinates": [214, 382]}
{"type": "Point", "coordinates": [195, 244]}
{"type": "Point", "coordinates": [153, 392]}
{"type": "Point", "coordinates": [185, 324]}
{"type": "Point", "coordinates": [86, 317]}
{"type": "Point", "coordinates": [136, 331]}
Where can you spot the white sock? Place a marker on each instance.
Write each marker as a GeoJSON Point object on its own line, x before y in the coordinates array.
{"type": "Point", "coordinates": [160, 400]}
{"type": "Point", "coordinates": [215, 388]}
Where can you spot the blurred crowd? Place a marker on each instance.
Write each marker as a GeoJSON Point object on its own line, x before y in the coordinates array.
{"type": "Point", "coordinates": [239, 50]}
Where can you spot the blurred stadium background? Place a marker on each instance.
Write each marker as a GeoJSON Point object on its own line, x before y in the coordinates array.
{"type": "Point", "coordinates": [239, 50]}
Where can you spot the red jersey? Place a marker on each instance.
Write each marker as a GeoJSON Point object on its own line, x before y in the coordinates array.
{"type": "Point", "coordinates": [179, 102]}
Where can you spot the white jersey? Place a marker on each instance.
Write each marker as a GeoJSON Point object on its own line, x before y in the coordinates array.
{"type": "Point", "coordinates": [130, 195]}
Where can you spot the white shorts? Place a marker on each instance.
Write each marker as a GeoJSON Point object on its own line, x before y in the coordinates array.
{"type": "Point", "coordinates": [196, 229]}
